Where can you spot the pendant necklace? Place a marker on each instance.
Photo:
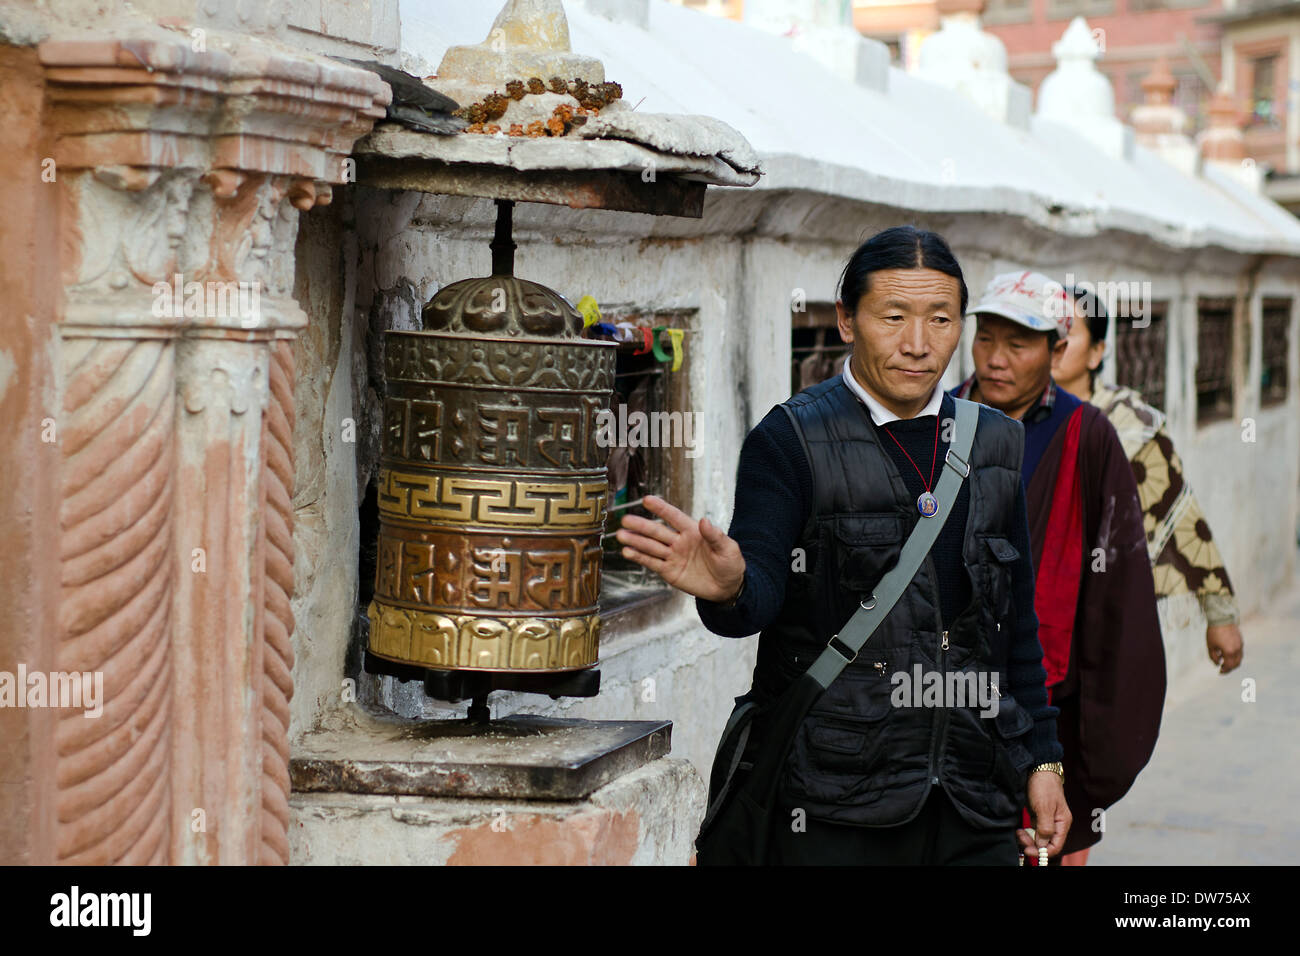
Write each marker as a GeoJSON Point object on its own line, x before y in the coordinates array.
{"type": "Point", "coordinates": [926, 503]}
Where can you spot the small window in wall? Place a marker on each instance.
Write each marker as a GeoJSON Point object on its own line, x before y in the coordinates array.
{"type": "Point", "coordinates": [1140, 355]}
{"type": "Point", "coordinates": [1006, 11]}
{"type": "Point", "coordinates": [1213, 360]}
{"type": "Point", "coordinates": [1190, 95]}
{"type": "Point", "coordinates": [1276, 314]}
{"type": "Point", "coordinates": [1263, 91]}
{"type": "Point", "coordinates": [816, 351]}
{"type": "Point", "coordinates": [654, 441]}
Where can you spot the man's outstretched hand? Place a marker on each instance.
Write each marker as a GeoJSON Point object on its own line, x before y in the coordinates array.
{"type": "Point", "coordinates": [693, 556]}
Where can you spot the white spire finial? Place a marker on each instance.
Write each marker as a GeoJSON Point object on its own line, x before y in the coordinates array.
{"type": "Point", "coordinates": [964, 57]}
{"type": "Point", "coordinates": [1159, 124]}
{"type": "Point", "coordinates": [1078, 95]}
{"type": "Point", "coordinates": [1222, 144]}
{"type": "Point", "coordinates": [1076, 43]}
{"type": "Point", "coordinates": [1076, 87]}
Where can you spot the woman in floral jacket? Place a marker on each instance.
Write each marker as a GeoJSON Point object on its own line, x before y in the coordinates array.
{"type": "Point", "coordinates": [1184, 557]}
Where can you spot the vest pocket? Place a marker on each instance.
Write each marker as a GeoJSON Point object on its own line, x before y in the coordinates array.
{"type": "Point", "coordinates": [999, 559]}
{"type": "Point", "coordinates": [865, 547]}
{"type": "Point", "coordinates": [836, 735]}
{"type": "Point", "coordinates": [1003, 550]}
{"type": "Point", "coordinates": [843, 731]}
{"type": "Point", "coordinates": [843, 743]}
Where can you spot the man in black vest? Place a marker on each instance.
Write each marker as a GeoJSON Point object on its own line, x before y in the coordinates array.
{"type": "Point", "coordinates": [829, 486]}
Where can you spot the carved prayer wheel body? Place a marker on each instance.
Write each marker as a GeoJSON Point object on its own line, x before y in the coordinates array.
{"type": "Point", "coordinates": [492, 488]}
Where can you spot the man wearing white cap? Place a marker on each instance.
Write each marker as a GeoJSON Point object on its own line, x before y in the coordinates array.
{"type": "Point", "coordinates": [1093, 592]}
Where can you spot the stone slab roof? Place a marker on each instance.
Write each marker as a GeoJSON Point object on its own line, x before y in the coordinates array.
{"type": "Point", "coordinates": [916, 145]}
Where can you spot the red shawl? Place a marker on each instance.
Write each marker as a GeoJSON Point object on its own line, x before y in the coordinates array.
{"type": "Point", "coordinates": [1096, 603]}
{"type": "Point", "coordinates": [1059, 573]}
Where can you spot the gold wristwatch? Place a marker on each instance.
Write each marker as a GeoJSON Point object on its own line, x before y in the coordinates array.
{"type": "Point", "coordinates": [1055, 766]}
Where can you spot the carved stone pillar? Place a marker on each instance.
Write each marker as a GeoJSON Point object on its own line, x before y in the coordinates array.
{"type": "Point", "coordinates": [118, 454]}
{"type": "Point", "coordinates": [234, 544]}
{"type": "Point", "coordinates": [179, 176]}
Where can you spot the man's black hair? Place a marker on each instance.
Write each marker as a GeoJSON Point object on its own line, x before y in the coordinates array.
{"type": "Point", "coordinates": [1097, 318]}
{"type": "Point", "coordinates": [899, 247]}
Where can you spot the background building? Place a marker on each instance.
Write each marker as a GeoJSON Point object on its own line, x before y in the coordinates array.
{"type": "Point", "coordinates": [259, 445]}
{"type": "Point", "coordinates": [1260, 64]}
{"type": "Point", "coordinates": [1249, 48]}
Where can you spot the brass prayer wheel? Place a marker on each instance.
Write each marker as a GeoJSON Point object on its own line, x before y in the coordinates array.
{"type": "Point", "coordinates": [492, 487]}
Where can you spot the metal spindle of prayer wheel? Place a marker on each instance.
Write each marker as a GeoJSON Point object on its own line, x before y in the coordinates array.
{"type": "Point", "coordinates": [492, 488]}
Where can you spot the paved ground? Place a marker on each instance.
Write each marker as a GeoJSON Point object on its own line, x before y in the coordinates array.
{"type": "Point", "coordinates": [1224, 784]}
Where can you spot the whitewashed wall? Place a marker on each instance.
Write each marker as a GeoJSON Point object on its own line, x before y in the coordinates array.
{"type": "Point", "coordinates": [375, 258]}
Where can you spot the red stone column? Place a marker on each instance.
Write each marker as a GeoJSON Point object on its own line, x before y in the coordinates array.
{"type": "Point", "coordinates": [29, 508]}
{"type": "Point", "coordinates": [157, 527]}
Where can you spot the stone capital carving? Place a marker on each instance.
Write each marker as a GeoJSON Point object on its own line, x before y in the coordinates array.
{"type": "Point", "coordinates": [176, 256]}
{"type": "Point", "coordinates": [131, 108]}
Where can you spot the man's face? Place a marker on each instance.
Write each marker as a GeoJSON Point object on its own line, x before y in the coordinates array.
{"type": "Point", "coordinates": [906, 327]}
{"type": "Point", "coordinates": [1012, 363]}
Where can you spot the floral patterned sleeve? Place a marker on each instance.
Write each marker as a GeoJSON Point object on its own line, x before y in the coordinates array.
{"type": "Point", "coordinates": [1184, 557]}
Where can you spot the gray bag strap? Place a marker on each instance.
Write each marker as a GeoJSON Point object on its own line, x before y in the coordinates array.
{"type": "Point", "coordinates": [843, 647]}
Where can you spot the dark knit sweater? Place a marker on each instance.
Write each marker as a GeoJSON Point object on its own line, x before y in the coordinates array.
{"type": "Point", "coordinates": [773, 498]}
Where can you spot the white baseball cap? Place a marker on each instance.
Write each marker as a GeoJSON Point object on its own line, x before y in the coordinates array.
{"type": "Point", "coordinates": [1030, 299]}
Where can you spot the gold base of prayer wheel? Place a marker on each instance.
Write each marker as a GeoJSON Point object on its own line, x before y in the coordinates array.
{"type": "Point", "coordinates": [465, 642]}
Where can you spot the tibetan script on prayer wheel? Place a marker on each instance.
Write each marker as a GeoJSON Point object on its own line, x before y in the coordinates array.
{"type": "Point", "coordinates": [492, 486]}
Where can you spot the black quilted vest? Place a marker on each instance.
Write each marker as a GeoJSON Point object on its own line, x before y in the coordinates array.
{"type": "Point", "coordinates": [858, 758]}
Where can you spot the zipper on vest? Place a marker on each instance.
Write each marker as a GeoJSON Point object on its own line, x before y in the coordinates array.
{"type": "Point", "coordinates": [939, 727]}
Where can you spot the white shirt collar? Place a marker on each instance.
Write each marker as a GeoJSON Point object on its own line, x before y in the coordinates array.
{"type": "Point", "coordinates": [879, 413]}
